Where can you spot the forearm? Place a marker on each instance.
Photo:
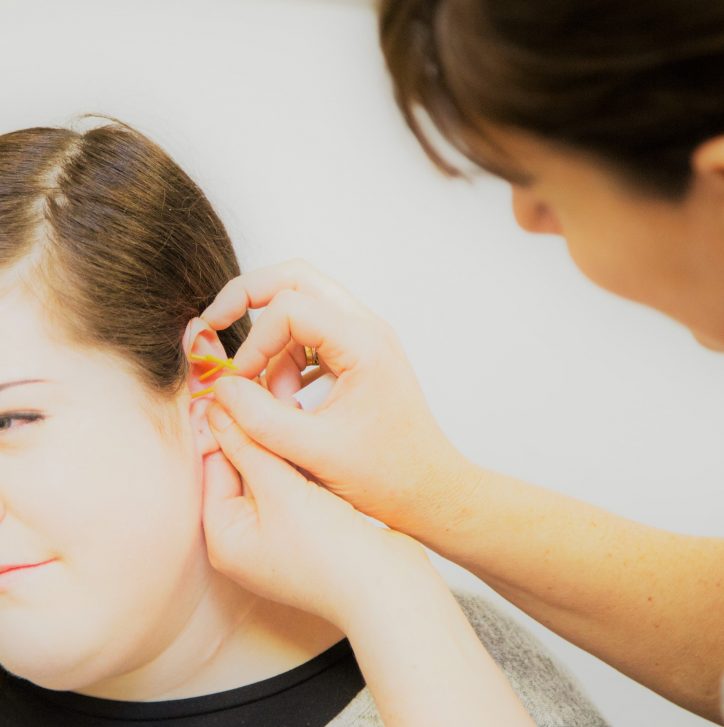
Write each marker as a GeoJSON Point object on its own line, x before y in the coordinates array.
{"type": "Point", "coordinates": [646, 601]}
{"type": "Point", "coordinates": [421, 658]}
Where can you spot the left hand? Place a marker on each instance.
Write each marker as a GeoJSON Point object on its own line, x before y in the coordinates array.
{"type": "Point", "coordinates": [283, 536]}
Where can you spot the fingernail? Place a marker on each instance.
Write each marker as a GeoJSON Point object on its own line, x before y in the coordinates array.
{"type": "Point", "coordinates": [218, 418]}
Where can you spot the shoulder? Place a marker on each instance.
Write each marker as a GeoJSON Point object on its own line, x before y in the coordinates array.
{"type": "Point", "coordinates": [547, 691]}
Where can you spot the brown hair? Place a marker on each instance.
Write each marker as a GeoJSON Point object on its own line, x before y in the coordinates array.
{"type": "Point", "coordinates": [122, 246]}
{"type": "Point", "coordinates": [638, 85]}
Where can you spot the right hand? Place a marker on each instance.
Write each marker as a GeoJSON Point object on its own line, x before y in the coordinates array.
{"type": "Point", "coordinates": [374, 441]}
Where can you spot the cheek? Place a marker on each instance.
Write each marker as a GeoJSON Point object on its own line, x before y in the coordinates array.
{"type": "Point", "coordinates": [119, 488]}
{"type": "Point", "coordinates": [121, 510]}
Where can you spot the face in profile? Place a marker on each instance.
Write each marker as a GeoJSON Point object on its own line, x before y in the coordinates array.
{"type": "Point", "coordinates": [665, 254]}
{"type": "Point", "coordinates": [92, 489]}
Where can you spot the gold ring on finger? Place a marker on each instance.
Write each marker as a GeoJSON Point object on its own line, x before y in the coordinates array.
{"type": "Point", "coordinates": [312, 357]}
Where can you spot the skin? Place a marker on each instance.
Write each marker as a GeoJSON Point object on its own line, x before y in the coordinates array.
{"type": "Point", "coordinates": [170, 579]}
{"type": "Point", "coordinates": [95, 486]}
{"type": "Point", "coordinates": [642, 599]}
{"type": "Point", "coordinates": [667, 255]}
{"type": "Point", "coordinates": [408, 633]}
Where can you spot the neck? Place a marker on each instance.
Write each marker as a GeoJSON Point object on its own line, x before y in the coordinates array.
{"type": "Point", "coordinates": [229, 638]}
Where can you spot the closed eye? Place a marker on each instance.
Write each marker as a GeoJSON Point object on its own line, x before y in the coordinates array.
{"type": "Point", "coordinates": [7, 419]}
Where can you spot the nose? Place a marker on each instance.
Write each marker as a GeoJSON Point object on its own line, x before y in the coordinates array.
{"type": "Point", "coordinates": [532, 214]}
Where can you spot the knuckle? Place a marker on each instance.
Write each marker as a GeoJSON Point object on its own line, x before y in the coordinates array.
{"type": "Point", "coordinates": [283, 300]}
{"type": "Point", "coordinates": [226, 430]}
{"type": "Point", "coordinates": [286, 296]}
{"type": "Point", "coordinates": [234, 290]}
{"type": "Point", "coordinates": [238, 450]}
{"type": "Point", "coordinates": [380, 341]}
{"type": "Point", "coordinates": [260, 429]}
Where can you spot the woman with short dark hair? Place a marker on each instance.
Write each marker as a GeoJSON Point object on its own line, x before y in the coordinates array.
{"type": "Point", "coordinates": [607, 119]}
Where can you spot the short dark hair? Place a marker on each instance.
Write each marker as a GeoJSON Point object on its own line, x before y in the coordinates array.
{"type": "Point", "coordinates": [638, 84]}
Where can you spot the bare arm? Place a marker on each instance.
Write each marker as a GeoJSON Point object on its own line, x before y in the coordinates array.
{"type": "Point", "coordinates": [646, 601]}
{"type": "Point", "coordinates": [421, 658]}
{"type": "Point", "coordinates": [273, 531]}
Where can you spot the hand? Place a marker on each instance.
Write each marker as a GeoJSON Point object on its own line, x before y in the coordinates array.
{"type": "Point", "coordinates": [374, 441]}
{"type": "Point", "coordinates": [286, 538]}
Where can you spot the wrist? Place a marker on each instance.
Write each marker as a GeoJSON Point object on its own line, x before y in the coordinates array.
{"type": "Point", "coordinates": [390, 597]}
{"type": "Point", "coordinates": [386, 561]}
{"type": "Point", "coordinates": [441, 496]}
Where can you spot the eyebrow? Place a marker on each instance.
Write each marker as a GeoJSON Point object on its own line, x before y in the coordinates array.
{"type": "Point", "coordinates": [8, 384]}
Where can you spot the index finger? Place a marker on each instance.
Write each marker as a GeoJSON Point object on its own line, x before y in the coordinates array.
{"type": "Point", "coordinates": [256, 288]}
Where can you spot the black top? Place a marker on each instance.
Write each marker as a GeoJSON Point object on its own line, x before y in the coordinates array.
{"type": "Point", "coordinates": [309, 695]}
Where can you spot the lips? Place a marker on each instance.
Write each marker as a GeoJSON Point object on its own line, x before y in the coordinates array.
{"type": "Point", "coordinates": [17, 566]}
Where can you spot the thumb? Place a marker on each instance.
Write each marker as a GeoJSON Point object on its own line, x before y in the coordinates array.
{"type": "Point", "coordinates": [290, 432]}
{"type": "Point", "coordinates": [229, 518]}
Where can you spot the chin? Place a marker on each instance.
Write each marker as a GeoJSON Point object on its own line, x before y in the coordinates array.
{"type": "Point", "coordinates": [57, 675]}
{"type": "Point", "coordinates": [46, 654]}
{"type": "Point", "coordinates": [44, 674]}
{"type": "Point", "coordinates": [713, 344]}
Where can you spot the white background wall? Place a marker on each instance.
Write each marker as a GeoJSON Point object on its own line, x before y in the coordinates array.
{"type": "Point", "coordinates": [282, 111]}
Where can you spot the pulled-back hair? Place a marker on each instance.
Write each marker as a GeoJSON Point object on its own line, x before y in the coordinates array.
{"type": "Point", "coordinates": [120, 244]}
{"type": "Point", "coordinates": [638, 85]}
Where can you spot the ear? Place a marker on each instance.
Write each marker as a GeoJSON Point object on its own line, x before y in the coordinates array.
{"type": "Point", "coordinates": [708, 164]}
{"type": "Point", "coordinates": [199, 338]}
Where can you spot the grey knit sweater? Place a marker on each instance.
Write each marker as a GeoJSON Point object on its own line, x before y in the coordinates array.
{"type": "Point", "coordinates": [548, 693]}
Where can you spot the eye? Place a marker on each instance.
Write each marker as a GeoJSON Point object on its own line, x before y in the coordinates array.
{"type": "Point", "coordinates": [7, 419]}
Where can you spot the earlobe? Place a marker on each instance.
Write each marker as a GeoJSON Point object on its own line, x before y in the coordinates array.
{"type": "Point", "coordinates": [202, 432]}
